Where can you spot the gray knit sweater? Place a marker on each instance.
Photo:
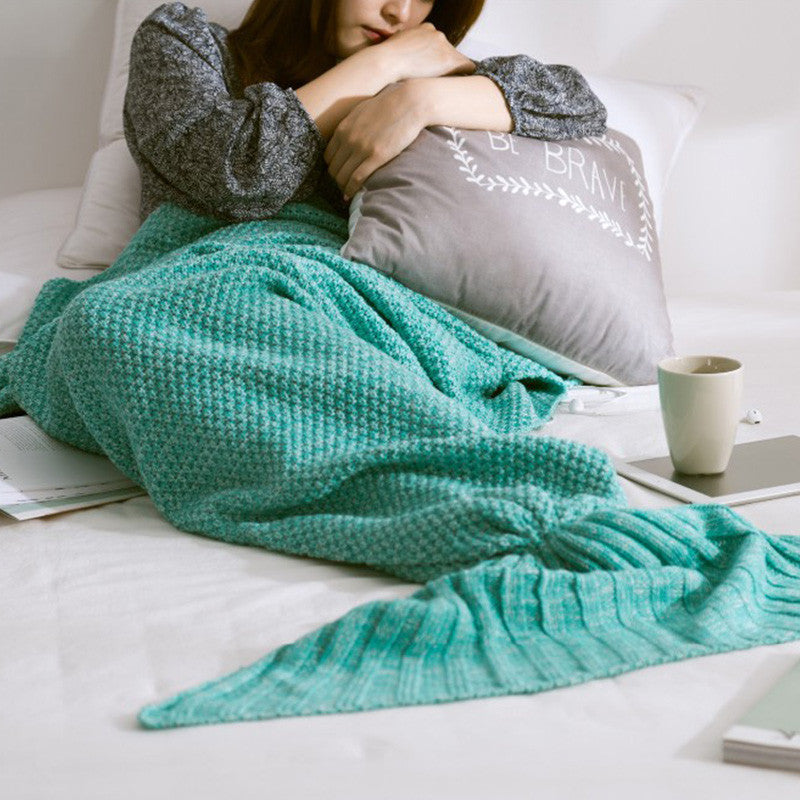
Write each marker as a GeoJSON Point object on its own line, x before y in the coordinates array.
{"type": "Point", "coordinates": [204, 143]}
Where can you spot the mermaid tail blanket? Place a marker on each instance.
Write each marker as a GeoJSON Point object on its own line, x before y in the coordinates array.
{"type": "Point", "coordinates": [266, 391]}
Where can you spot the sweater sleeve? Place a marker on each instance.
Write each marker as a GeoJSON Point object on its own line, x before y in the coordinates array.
{"type": "Point", "coordinates": [238, 157]}
{"type": "Point", "coordinates": [546, 101]}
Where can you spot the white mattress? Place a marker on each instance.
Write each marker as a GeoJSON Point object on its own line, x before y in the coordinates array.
{"type": "Point", "coordinates": [107, 609]}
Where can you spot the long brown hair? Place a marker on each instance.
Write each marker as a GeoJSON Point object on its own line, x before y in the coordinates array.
{"type": "Point", "coordinates": [287, 41]}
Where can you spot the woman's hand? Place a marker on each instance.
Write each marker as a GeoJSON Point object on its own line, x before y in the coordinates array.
{"type": "Point", "coordinates": [372, 134]}
{"type": "Point", "coordinates": [422, 52]}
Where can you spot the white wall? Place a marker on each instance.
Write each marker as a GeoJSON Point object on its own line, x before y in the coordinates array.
{"type": "Point", "coordinates": [732, 211]}
{"type": "Point", "coordinates": [54, 56]}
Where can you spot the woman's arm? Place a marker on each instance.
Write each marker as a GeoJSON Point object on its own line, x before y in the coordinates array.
{"type": "Point", "coordinates": [514, 94]}
{"type": "Point", "coordinates": [382, 127]}
{"type": "Point", "coordinates": [245, 156]}
{"type": "Point", "coordinates": [236, 157]}
{"type": "Point", "coordinates": [418, 52]}
{"type": "Point", "coordinates": [334, 94]}
{"type": "Point", "coordinates": [546, 101]}
{"type": "Point", "coordinates": [473, 102]}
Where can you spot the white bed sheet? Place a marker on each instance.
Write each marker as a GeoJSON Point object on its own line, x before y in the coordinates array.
{"type": "Point", "coordinates": [107, 609]}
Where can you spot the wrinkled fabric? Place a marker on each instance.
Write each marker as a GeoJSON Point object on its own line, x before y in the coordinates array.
{"type": "Point", "coordinates": [266, 391]}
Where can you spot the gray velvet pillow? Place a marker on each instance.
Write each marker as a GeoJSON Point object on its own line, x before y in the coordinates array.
{"type": "Point", "coordinates": [549, 248]}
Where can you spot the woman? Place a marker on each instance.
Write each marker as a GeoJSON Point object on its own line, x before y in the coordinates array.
{"type": "Point", "coordinates": [312, 96]}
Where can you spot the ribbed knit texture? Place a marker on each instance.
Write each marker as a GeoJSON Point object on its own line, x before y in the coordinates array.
{"type": "Point", "coordinates": [266, 391]}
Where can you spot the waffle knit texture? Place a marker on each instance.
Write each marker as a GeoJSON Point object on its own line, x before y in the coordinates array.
{"type": "Point", "coordinates": [266, 391]}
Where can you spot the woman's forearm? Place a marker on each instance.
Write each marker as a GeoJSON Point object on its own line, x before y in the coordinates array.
{"type": "Point", "coordinates": [471, 101]}
{"type": "Point", "coordinates": [329, 98]}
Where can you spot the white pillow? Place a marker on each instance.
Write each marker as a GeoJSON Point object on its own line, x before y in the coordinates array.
{"type": "Point", "coordinates": [657, 116]}
{"type": "Point", "coordinates": [32, 226]}
{"type": "Point", "coordinates": [108, 214]}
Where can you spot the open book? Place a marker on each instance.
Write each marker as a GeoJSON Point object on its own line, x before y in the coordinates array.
{"type": "Point", "coordinates": [40, 475]}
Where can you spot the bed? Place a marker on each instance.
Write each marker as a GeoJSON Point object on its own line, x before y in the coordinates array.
{"type": "Point", "coordinates": [106, 609]}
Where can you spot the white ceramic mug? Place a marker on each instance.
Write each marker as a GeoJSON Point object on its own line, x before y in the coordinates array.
{"type": "Point", "coordinates": [700, 404]}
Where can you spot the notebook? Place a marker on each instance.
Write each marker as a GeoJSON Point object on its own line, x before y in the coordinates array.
{"type": "Point", "coordinates": [768, 734]}
{"type": "Point", "coordinates": [759, 470]}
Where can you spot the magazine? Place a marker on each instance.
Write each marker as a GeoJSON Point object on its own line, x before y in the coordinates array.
{"type": "Point", "coordinates": [40, 476]}
{"type": "Point", "coordinates": [768, 735]}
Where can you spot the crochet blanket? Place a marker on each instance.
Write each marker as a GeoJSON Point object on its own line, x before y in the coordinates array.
{"type": "Point", "coordinates": [266, 391]}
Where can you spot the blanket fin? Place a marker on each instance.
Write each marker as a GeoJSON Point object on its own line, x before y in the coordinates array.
{"type": "Point", "coordinates": [642, 588]}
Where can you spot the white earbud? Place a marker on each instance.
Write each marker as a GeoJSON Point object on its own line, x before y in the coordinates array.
{"type": "Point", "coordinates": [576, 406]}
{"type": "Point", "coordinates": [753, 416]}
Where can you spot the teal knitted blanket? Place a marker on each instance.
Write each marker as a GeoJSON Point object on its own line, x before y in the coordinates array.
{"type": "Point", "coordinates": [266, 391]}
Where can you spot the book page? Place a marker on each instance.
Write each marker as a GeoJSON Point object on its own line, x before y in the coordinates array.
{"type": "Point", "coordinates": [40, 475]}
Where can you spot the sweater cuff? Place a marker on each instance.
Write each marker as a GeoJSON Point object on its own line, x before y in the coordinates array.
{"type": "Point", "coordinates": [311, 124]}
{"type": "Point", "coordinates": [549, 101]}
